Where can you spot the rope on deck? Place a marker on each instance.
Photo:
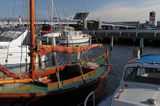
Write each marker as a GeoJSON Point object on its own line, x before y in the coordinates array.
{"type": "Point", "coordinates": [8, 72]}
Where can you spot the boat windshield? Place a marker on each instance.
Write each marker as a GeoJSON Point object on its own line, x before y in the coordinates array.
{"type": "Point", "coordinates": [142, 75]}
{"type": "Point", "coordinates": [8, 36]}
{"type": "Point", "coordinates": [46, 27]}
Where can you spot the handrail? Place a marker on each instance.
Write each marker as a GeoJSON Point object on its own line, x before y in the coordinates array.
{"type": "Point", "coordinates": [86, 100]}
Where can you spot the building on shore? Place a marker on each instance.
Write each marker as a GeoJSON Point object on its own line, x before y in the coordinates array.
{"type": "Point", "coordinates": [152, 17]}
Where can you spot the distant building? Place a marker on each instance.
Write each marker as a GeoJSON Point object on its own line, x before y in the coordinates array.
{"type": "Point", "coordinates": [93, 24]}
{"type": "Point", "coordinates": [152, 17]}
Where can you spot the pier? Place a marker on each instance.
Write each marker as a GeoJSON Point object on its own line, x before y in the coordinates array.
{"type": "Point", "coordinates": [130, 33]}
{"type": "Point", "coordinates": [15, 22]}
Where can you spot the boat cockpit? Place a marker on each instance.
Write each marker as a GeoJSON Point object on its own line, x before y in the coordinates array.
{"type": "Point", "coordinates": [141, 74]}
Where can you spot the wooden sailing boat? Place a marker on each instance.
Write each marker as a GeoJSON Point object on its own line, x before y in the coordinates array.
{"type": "Point", "coordinates": [57, 83]}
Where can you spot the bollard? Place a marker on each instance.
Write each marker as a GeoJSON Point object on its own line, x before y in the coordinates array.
{"type": "Point", "coordinates": [141, 45]}
{"type": "Point", "coordinates": [136, 53]}
{"type": "Point", "coordinates": [112, 42]}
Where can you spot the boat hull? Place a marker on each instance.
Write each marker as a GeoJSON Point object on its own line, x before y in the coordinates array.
{"type": "Point", "coordinates": [68, 97]}
{"type": "Point", "coordinates": [74, 40]}
{"type": "Point", "coordinates": [74, 88]}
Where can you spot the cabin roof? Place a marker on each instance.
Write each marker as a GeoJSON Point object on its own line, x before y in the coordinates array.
{"type": "Point", "coordinates": [151, 58]}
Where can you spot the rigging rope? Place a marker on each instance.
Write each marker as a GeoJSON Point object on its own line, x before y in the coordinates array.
{"type": "Point", "coordinates": [56, 13]}
{"type": "Point", "coordinates": [27, 38]}
{"type": "Point", "coordinates": [63, 12]}
{"type": "Point", "coordinates": [84, 6]}
{"type": "Point", "coordinates": [13, 10]}
{"type": "Point", "coordinates": [12, 15]}
{"type": "Point", "coordinates": [48, 9]}
{"type": "Point", "coordinates": [8, 72]}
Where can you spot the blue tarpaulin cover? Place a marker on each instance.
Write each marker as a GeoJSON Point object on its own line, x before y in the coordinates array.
{"type": "Point", "coordinates": [151, 58]}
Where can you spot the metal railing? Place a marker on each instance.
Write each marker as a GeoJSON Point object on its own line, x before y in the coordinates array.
{"type": "Point", "coordinates": [87, 98]}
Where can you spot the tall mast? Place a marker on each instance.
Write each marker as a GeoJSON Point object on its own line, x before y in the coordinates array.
{"type": "Point", "coordinates": [32, 29]}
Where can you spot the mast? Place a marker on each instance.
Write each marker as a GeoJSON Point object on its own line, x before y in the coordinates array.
{"type": "Point", "coordinates": [32, 34]}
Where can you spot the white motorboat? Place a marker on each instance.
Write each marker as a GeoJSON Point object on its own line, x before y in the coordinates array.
{"type": "Point", "coordinates": [47, 39]}
{"type": "Point", "coordinates": [140, 84]}
{"type": "Point", "coordinates": [70, 36]}
{"type": "Point", "coordinates": [12, 52]}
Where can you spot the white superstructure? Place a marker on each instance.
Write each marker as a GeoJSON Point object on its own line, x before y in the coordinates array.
{"type": "Point", "coordinates": [140, 84]}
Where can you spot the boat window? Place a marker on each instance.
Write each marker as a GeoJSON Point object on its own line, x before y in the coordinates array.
{"type": "Point", "coordinates": [68, 29]}
{"type": "Point", "coordinates": [46, 41]}
{"type": "Point", "coordinates": [46, 27]}
{"type": "Point", "coordinates": [142, 75]}
{"type": "Point", "coordinates": [3, 47]}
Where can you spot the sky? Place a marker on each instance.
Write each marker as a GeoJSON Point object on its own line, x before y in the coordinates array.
{"type": "Point", "coordinates": [106, 10]}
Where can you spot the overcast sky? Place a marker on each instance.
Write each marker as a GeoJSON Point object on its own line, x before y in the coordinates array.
{"type": "Point", "coordinates": [108, 10]}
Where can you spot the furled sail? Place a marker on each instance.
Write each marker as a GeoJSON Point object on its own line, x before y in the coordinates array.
{"type": "Point", "coordinates": [44, 49]}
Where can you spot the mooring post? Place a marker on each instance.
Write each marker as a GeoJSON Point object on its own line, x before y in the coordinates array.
{"type": "Point", "coordinates": [85, 26]}
{"type": "Point", "coordinates": [90, 40]}
{"type": "Point", "coordinates": [141, 45]}
{"type": "Point", "coordinates": [99, 24]}
{"type": "Point", "coordinates": [53, 55]}
{"type": "Point", "coordinates": [136, 53]}
{"type": "Point", "coordinates": [112, 41]}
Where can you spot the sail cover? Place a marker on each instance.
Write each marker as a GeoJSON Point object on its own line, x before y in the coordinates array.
{"type": "Point", "coordinates": [44, 49]}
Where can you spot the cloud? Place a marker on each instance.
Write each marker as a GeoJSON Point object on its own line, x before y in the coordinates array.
{"type": "Point", "coordinates": [126, 11]}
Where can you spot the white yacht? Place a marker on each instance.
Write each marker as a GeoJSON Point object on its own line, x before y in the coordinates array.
{"type": "Point", "coordinates": [140, 83]}
{"type": "Point", "coordinates": [49, 38]}
{"type": "Point", "coordinates": [70, 36]}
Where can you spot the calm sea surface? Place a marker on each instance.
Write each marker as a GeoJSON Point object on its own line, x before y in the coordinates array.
{"type": "Point", "coordinates": [119, 57]}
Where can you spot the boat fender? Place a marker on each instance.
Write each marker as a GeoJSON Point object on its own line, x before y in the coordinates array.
{"type": "Point", "coordinates": [92, 65]}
